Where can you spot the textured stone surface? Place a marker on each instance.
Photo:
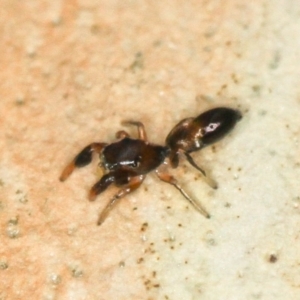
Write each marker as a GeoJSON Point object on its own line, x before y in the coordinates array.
{"type": "Point", "coordinates": [71, 71]}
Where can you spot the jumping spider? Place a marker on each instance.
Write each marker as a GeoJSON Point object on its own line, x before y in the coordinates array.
{"type": "Point", "coordinates": [128, 160]}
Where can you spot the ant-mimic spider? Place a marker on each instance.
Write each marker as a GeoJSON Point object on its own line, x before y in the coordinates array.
{"type": "Point", "coordinates": [128, 160]}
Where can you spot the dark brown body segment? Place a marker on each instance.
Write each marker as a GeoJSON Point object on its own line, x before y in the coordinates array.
{"type": "Point", "coordinates": [134, 154]}
{"type": "Point", "coordinates": [193, 134]}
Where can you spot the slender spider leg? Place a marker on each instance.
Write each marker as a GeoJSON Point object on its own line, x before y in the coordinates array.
{"type": "Point", "coordinates": [121, 134]}
{"type": "Point", "coordinates": [172, 180]}
{"type": "Point", "coordinates": [192, 162]}
{"type": "Point", "coordinates": [82, 159]}
{"type": "Point", "coordinates": [141, 128]}
{"type": "Point", "coordinates": [133, 184]}
{"type": "Point", "coordinates": [209, 180]}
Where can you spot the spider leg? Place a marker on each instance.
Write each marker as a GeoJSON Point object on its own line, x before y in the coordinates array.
{"type": "Point", "coordinates": [172, 180]}
{"type": "Point", "coordinates": [209, 180]}
{"type": "Point", "coordinates": [174, 159]}
{"type": "Point", "coordinates": [133, 184]}
{"type": "Point", "coordinates": [141, 128]}
{"type": "Point", "coordinates": [121, 134]}
{"type": "Point", "coordinates": [101, 185]}
{"type": "Point", "coordinates": [82, 159]}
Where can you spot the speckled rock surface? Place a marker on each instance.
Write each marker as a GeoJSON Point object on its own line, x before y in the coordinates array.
{"type": "Point", "coordinates": [71, 71]}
